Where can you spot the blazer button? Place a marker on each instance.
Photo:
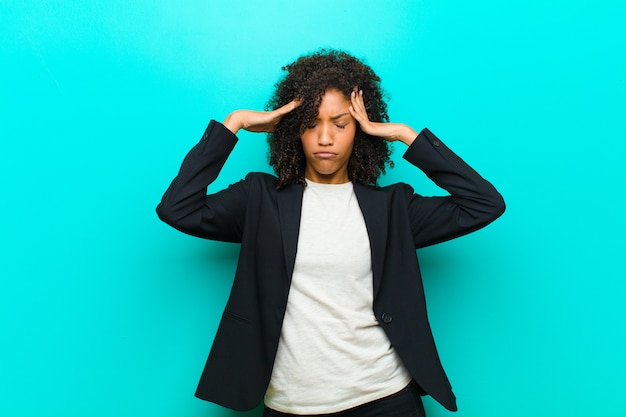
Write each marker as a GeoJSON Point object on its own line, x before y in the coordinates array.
{"type": "Point", "coordinates": [436, 143]}
{"type": "Point", "coordinates": [386, 318]}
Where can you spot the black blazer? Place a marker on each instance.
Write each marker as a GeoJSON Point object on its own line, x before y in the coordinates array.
{"type": "Point", "coordinates": [266, 222]}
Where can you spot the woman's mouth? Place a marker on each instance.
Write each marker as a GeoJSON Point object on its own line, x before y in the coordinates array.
{"type": "Point", "coordinates": [325, 155]}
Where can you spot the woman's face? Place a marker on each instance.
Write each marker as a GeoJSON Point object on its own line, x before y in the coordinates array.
{"type": "Point", "coordinates": [329, 140]}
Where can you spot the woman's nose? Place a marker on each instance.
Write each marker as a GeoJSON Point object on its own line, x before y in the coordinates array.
{"type": "Point", "coordinates": [325, 137]}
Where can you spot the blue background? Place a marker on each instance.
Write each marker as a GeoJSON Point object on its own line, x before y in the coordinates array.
{"type": "Point", "coordinates": [106, 311]}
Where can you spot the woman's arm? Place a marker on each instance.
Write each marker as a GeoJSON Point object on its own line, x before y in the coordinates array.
{"type": "Point", "coordinates": [186, 205]}
{"type": "Point", "coordinates": [473, 202]}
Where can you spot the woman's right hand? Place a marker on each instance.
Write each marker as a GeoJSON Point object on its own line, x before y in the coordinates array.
{"type": "Point", "coordinates": [258, 121]}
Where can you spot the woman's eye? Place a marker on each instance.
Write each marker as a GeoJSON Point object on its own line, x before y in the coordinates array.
{"type": "Point", "coordinates": [341, 126]}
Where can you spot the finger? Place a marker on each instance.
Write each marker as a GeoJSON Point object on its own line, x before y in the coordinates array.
{"type": "Point", "coordinates": [288, 107]}
{"type": "Point", "coordinates": [353, 101]}
{"type": "Point", "coordinates": [357, 100]}
{"type": "Point", "coordinates": [358, 107]}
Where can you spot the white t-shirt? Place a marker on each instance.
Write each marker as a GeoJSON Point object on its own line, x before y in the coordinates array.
{"type": "Point", "coordinates": [332, 354]}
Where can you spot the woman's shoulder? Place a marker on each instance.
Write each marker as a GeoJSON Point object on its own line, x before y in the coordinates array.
{"type": "Point", "coordinates": [396, 192]}
{"type": "Point", "coordinates": [391, 188]}
{"type": "Point", "coordinates": [261, 180]}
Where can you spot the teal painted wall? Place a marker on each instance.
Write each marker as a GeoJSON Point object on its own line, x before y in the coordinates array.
{"type": "Point", "coordinates": [106, 311]}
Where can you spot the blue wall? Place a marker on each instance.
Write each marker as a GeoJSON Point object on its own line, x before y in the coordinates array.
{"type": "Point", "coordinates": [105, 311]}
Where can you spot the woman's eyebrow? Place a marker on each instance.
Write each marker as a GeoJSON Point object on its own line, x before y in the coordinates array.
{"type": "Point", "coordinates": [339, 116]}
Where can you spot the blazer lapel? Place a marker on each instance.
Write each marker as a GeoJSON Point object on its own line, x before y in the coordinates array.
{"type": "Point", "coordinates": [289, 202]}
{"type": "Point", "coordinates": [374, 207]}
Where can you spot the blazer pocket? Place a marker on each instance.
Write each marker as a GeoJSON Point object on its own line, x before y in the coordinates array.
{"type": "Point", "coordinates": [237, 317]}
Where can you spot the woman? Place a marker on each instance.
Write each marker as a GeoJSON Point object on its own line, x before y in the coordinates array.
{"type": "Point", "coordinates": [327, 313]}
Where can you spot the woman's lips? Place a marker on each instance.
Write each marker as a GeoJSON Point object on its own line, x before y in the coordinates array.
{"type": "Point", "coordinates": [325, 155]}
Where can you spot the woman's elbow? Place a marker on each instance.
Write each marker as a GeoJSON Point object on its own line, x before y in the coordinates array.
{"type": "Point", "coordinates": [166, 214]}
{"type": "Point", "coordinates": [498, 206]}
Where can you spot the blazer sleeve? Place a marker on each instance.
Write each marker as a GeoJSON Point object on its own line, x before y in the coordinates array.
{"type": "Point", "coordinates": [186, 205]}
{"type": "Point", "coordinates": [472, 204]}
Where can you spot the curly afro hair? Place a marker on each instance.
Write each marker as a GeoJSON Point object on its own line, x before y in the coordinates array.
{"type": "Point", "coordinates": [308, 79]}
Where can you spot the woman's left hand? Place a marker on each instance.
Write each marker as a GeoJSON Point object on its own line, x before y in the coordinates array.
{"type": "Point", "coordinates": [387, 131]}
